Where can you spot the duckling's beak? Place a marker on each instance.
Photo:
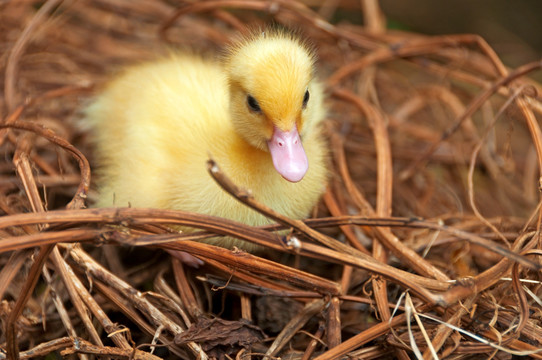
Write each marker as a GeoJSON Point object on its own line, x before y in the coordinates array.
{"type": "Point", "coordinates": [288, 155]}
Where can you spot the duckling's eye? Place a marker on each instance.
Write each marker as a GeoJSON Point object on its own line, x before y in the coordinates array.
{"type": "Point", "coordinates": [253, 104]}
{"type": "Point", "coordinates": [306, 98]}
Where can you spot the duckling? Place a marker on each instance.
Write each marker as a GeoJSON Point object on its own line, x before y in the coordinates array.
{"type": "Point", "coordinates": [256, 111]}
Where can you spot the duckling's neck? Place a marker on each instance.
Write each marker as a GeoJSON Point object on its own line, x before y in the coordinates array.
{"type": "Point", "coordinates": [247, 164]}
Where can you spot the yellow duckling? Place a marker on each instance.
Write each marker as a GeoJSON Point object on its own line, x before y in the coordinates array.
{"type": "Point", "coordinates": [256, 113]}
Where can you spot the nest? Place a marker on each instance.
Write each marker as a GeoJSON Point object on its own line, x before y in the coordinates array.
{"type": "Point", "coordinates": [425, 244]}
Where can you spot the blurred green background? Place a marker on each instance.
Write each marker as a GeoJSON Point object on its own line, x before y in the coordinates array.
{"type": "Point", "coordinates": [512, 27]}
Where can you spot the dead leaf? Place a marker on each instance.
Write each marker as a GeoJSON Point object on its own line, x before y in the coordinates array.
{"type": "Point", "coordinates": [219, 337]}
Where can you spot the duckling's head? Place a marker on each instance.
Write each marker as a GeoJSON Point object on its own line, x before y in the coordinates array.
{"type": "Point", "coordinates": [274, 101]}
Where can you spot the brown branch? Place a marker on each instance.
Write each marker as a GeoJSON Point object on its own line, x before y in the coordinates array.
{"type": "Point", "coordinates": [78, 200]}
{"type": "Point", "coordinates": [471, 109]}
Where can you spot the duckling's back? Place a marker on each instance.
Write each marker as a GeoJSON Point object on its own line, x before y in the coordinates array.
{"type": "Point", "coordinates": [152, 118]}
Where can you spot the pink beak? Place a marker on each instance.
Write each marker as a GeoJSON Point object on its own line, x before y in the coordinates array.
{"type": "Point", "coordinates": [288, 155]}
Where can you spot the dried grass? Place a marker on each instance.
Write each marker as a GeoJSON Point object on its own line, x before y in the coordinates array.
{"type": "Point", "coordinates": [435, 131]}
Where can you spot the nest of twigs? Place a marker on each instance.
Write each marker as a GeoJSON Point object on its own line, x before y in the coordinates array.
{"type": "Point", "coordinates": [425, 244]}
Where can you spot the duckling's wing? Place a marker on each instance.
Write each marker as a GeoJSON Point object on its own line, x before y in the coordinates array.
{"type": "Point", "coordinates": [153, 120]}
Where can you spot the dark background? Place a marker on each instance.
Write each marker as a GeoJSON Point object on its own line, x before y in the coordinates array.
{"type": "Point", "coordinates": [513, 28]}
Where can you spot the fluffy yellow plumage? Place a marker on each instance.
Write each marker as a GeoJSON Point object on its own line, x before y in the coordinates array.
{"type": "Point", "coordinates": [256, 113]}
